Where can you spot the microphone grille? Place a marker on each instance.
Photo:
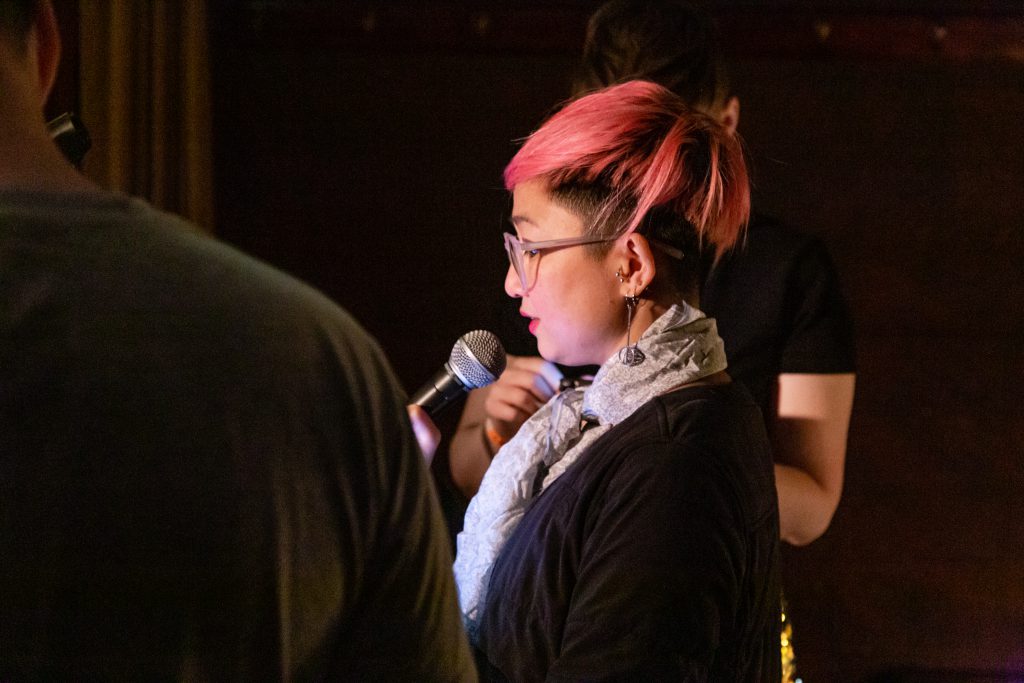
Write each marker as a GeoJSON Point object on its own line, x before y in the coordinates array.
{"type": "Point", "coordinates": [477, 358]}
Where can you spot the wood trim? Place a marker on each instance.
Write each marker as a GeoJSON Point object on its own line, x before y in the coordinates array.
{"type": "Point", "coordinates": [954, 32]}
{"type": "Point", "coordinates": [802, 35]}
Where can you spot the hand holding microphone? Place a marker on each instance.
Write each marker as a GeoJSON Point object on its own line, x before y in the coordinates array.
{"type": "Point", "coordinates": [476, 360]}
{"type": "Point", "coordinates": [527, 384]}
{"type": "Point", "coordinates": [428, 436]}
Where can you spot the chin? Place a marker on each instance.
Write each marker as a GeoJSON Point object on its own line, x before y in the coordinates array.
{"type": "Point", "coordinates": [550, 352]}
{"type": "Point", "coordinates": [555, 353]}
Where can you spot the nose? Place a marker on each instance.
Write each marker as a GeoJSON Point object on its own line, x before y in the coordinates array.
{"type": "Point", "coordinates": [513, 287]}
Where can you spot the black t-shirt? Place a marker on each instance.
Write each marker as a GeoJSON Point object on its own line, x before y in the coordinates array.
{"type": "Point", "coordinates": [206, 467]}
{"type": "Point", "coordinates": [653, 557]}
{"type": "Point", "coordinates": [779, 309]}
{"type": "Point", "coordinates": [778, 305]}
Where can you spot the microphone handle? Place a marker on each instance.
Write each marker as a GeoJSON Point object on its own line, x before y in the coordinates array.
{"type": "Point", "coordinates": [442, 389]}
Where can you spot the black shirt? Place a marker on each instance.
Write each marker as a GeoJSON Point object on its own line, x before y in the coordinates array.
{"type": "Point", "coordinates": [653, 557]}
{"type": "Point", "coordinates": [206, 467]}
{"type": "Point", "coordinates": [779, 309]}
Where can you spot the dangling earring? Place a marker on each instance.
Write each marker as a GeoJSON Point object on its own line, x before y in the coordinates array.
{"type": "Point", "coordinates": [630, 355]}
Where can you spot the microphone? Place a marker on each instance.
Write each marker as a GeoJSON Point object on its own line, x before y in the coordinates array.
{"type": "Point", "coordinates": [476, 360]}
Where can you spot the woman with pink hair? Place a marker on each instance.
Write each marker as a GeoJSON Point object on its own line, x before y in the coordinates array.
{"type": "Point", "coordinates": [629, 530]}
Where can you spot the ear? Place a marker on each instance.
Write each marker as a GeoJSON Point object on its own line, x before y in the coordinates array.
{"type": "Point", "coordinates": [635, 262]}
{"type": "Point", "coordinates": [729, 117]}
{"type": "Point", "coordinates": [44, 48]}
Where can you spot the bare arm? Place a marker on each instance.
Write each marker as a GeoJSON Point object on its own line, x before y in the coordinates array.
{"type": "Point", "coordinates": [809, 438]}
{"type": "Point", "coordinates": [493, 415]}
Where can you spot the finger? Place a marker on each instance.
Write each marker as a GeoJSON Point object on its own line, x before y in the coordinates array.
{"type": "Point", "coordinates": [528, 381]}
{"type": "Point", "coordinates": [536, 365]}
{"type": "Point", "coordinates": [551, 376]}
{"type": "Point", "coordinates": [508, 423]}
{"type": "Point", "coordinates": [508, 410]}
{"type": "Point", "coordinates": [527, 398]}
{"type": "Point", "coordinates": [533, 385]}
{"type": "Point", "coordinates": [516, 408]}
{"type": "Point", "coordinates": [428, 436]}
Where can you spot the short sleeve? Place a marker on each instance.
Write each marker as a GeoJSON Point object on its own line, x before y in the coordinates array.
{"type": "Point", "coordinates": [820, 332]}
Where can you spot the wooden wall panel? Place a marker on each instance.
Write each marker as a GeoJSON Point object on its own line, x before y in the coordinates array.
{"type": "Point", "coordinates": [913, 173]}
{"type": "Point", "coordinates": [341, 166]}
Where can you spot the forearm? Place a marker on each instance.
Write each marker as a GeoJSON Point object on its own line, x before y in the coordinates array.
{"type": "Point", "coordinates": [470, 453]}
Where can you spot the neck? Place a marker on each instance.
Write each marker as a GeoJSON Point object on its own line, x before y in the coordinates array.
{"type": "Point", "coordinates": [34, 163]}
{"type": "Point", "coordinates": [650, 309]}
{"type": "Point", "coordinates": [29, 160]}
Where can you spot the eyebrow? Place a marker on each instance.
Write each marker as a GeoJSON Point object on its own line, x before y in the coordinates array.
{"type": "Point", "coordinates": [516, 220]}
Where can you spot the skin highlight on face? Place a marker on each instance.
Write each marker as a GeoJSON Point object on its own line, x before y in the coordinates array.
{"type": "Point", "coordinates": [573, 303]}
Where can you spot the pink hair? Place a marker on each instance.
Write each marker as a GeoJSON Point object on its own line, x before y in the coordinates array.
{"type": "Point", "coordinates": [647, 150]}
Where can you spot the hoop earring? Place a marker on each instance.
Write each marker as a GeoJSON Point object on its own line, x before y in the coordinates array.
{"type": "Point", "coordinates": [630, 355]}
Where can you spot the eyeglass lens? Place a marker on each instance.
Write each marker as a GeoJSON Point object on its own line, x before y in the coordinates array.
{"type": "Point", "coordinates": [524, 265]}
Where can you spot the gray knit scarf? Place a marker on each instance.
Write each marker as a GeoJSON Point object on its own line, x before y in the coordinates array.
{"type": "Point", "coordinates": [681, 346]}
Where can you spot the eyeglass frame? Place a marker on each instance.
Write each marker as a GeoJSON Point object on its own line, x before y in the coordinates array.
{"type": "Point", "coordinates": [525, 246]}
{"type": "Point", "coordinates": [515, 248]}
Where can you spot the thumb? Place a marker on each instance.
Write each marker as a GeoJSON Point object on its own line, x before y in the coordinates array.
{"type": "Point", "coordinates": [428, 436]}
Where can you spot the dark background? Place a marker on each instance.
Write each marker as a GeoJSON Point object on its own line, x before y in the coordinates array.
{"type": "Point", "coordinates": [360, 145]}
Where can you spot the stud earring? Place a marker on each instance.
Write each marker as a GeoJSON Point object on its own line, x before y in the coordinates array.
{"type": "Point", "coordinates": [618, 274]}
{"type": "Point", "coordinates": [630, 355]}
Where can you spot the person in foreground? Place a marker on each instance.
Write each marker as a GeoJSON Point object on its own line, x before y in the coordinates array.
{"type": "Point", "coordinates": [776, 298]}
{"type": "Point", "coordinates": [629, 530]}
{"type": "Point", "coordinates": [206, 468]}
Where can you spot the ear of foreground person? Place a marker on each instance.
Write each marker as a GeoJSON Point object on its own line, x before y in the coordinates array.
{"type": "Point", "coordinates": [207, 471]}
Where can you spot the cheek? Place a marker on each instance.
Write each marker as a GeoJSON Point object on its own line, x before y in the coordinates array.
{"type": "Point", "coordinates": [585, 321]}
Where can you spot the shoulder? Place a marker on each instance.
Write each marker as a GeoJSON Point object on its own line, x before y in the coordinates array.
{"type": "Point", "coordinates": [700, 414]}
{"type": "Point", "coordinates": [694, 438]}
{"type": "Point", "coordinates": [772, 242]}
{"type": "Point", "coordinates": [253, 298]}
{"type": "Point", "coordinates": [773, 259]}
{"type": "Point", "coordinates": [107, 257]}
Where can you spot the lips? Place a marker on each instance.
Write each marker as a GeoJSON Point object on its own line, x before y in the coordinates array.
{"type": "Point", "coordinates": [533, 321]}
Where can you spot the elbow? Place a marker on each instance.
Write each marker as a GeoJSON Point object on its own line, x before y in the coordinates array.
{"type": "Point", "coordinates": [802, 527]}
{"type": "Point", "coordinates": [464, 484]}
{"type": "Point", "coordinates": [807, 532]}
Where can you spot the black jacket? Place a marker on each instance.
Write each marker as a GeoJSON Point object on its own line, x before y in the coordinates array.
{"type": "Point", "coordinates": [653, 557]}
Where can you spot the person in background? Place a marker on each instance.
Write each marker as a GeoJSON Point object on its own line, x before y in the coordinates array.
{"type": "Point", "coordinates": [629, 529]}
{"type": "Point", "coordinates": [207, 471]}
{"type": "Point", "coordinates": [776, 298]}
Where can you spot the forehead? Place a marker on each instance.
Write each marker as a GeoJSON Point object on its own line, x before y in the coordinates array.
{"type": "Point", "coordinates": [535, 214]}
